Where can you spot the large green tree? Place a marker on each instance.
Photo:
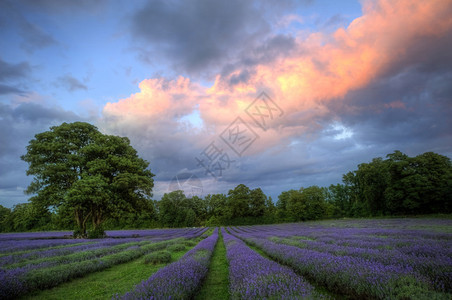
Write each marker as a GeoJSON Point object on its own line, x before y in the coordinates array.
{"type": "Point", "coordinates": [94, 176]}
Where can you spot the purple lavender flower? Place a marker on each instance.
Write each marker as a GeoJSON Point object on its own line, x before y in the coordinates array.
{"type": "Point", "coordinates": [180, 279]}
{"type": "Point", "coordinates": [255, 277]}
{"type": "Point", "coordinates": [44, 263]}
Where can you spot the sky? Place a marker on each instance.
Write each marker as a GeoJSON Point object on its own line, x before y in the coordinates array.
{"type": "Point", "coordinates": [272, 94]}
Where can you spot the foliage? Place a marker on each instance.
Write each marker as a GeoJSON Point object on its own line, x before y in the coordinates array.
{"type": "Point", "coordinates": [92, 176]}
{"type": "Point", "coordinates": [397, 185]}
{"type": "Point", "coordinates": [175, 247]}
{"type": "Point", "coordinates": [159, 257]}
{"type": "Point", "coordinates": [96, 233]}
{"type": "Point", "coordinates": [5, 219]}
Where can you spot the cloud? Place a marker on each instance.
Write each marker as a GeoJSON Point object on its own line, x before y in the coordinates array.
{"type": "Point", "coordinates": [158, 98]}
{"type": "Point", "coordinates": [9, 75]}
{"type": "Point", "coordinates": [13, 71]}
{"type": "Point", "coordinates": [33, 36]}
{"type": "Point", "coordinates": [335, 21]}
{"type": "Point", "coordinates": [199, 35]}
{"type": "Point", "coordinates": [153, 120]}
{"type": "Point", "coordinates": [379, 84]}
{"type": "Point", "coordinates": [390, 113]}
{"type": "Point", "coordinates": [64, 6]}
{"type": "Point", "coordinates": [70, 83]}
{"type": "Point", "coordinates": [8, 89]}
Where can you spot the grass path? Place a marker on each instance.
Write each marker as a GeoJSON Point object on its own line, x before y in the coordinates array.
{"type": "Point", "coordinates": [216, 284]}
{"type": "Point", "coordinates": [103, 285]}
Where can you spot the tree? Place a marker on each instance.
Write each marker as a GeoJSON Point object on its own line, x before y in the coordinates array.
{"type": "Point", "coordinates": [420, 184]}
{"type": "Point", "coordinates": [239, 201]}
{"type": "Point", "coordinates": [282, 204]}
{"type": "Point", "coordinates": [89, 174]}
{"type": "Point", "coordinates": [26, 216]}
{"type": "Point", "coordinates": [270, 209]}
{"type": "Point", "coordinates": [296, 205]}
{"type": "Point", "coordinates": [176, 210]}
{"type": "Point", "coordinates": [258, 202]}
{"type": "Point", "coordinates": [373, 179]}
{"type": "Point", "coordinates": [314, 199]}
{"type": "Point", "coordinates": [340, 197]}
{"type": "Point", "coordinates": [5, 219]}
{"type": "Point", "coordinates": [217, 209]}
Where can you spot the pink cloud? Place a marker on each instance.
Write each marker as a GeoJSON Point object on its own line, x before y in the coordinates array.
{"type": "Point", "coordinates": [325, 69]}
{"type": "Point", "coordinates": [158, 98]}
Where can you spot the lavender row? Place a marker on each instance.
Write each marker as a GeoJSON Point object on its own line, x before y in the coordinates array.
{"type": "Point", "coordinates": [407, 241]}
{"type": "Point", "coordinates": [34, 235]}
{"type": "Point", "coordinates": [7, 247]}
{"type": "Point", "coordinates": [81, 252]}
{"type": "Point", "coordinates": [252, 276]}
{"type": "Point", "coordinates": [180, 279]}
{"type": "Point", "coordinates": [370, 234]}
{"type": "Point", "coordinates": [24, 246]}
{"type": "Point", "coordinates": [437, 270]}
{"type": "Point", "coordinates": [353, 276]}
{"type": "Point", "coordinates": [109, 233]}
{"type": "Point", "coordinates": [95, 251]}
{"type": "Point", "coordinates": [19, 281]}
{"type": "Point", "coordinates": [69, 249]}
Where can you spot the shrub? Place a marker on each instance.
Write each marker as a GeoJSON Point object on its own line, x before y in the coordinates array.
{"type": "Point", "coordinates": [176, 247]}
{"type": "Point", "coordinates": [159, 257]}
{"type": "Point", "coordinates": [96, 233]}
{"type": "Point", "coordinates": [190, 243]}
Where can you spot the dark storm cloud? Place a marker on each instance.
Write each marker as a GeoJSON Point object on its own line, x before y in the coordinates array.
{"type": "Point", "coordinates": [431, 54]}
{"type": "Point", "coordinates": [408, 106]}
{"type": "Point", "coordinates": [70, 83]}
{"type": "Point", "coordinates": [196, 35]}
{"type": "Point", "coordinates": [409, 112]}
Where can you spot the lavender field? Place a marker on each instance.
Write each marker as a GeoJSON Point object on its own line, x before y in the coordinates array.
{"type": "Point", "coordinates": [338, 259]}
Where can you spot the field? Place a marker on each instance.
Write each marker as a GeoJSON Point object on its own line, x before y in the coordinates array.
{"type": "Point", "coordinates": [340, 259]}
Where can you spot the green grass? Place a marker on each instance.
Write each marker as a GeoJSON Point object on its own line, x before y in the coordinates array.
{"type": "Point", "coordinates": [216, 284]}
{"type": "Point", "coordinates": [103, 285]}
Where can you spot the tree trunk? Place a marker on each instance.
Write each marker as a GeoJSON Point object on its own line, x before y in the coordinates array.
{"type": "Point", "coordinates": [81, 223]}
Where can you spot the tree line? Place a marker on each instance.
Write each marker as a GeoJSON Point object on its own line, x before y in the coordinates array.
{"type": "Point", "coordinates": [398, 185]}
{"type": "Point", "coordinates": [92, 182]}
